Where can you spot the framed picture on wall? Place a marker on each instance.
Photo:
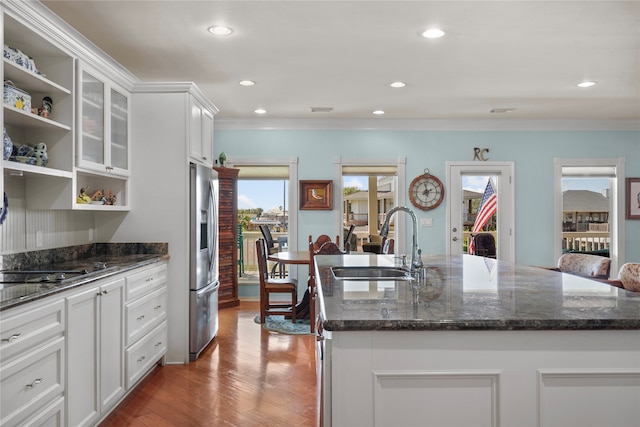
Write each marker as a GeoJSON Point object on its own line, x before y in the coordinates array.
{"type": "Point", "coordinates": [633, 198]}
{"type": "Point", "coordinates": [316, 195]}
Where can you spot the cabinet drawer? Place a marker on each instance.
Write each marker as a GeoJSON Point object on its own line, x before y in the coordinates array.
{"type": "Point", "coordinates": [145, 353]}
{"type": "Point", "coordinates": [145, 281]}
{"type": "Point", "coordinates": [31, 381]}
{"type": "Point", "coordinates": [23, 328]}
{"type": "Point", "coordinates": [144, 313]}
{"type": "Point", "coordinates": [51, 416]}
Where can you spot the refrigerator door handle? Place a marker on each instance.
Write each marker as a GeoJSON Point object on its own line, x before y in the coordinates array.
{"type": "Point", "coordinates": [211, 224]}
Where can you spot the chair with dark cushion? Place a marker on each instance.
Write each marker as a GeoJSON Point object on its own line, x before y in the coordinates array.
{"type": "Point", "coordinates": [268, 239]}
{"type": "Point", "coordinates": [350, 240]}
{"type": "Point", "coordinates": [484, 244]}
{"type": "Point", "coordinates": [270, 286]}
{"type": "Point", "coordinates": [271, 248]}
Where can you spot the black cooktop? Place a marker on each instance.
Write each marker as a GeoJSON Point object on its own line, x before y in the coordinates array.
{"type": "Point", "coordinates": [59, 274]}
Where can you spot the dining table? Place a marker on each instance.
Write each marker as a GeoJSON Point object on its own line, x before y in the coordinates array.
{"type": "Point", "coordinates": [295, 258]}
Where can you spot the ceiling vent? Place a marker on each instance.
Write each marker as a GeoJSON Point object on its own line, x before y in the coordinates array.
{"type": "Point", "coordinates": [501, 110]}
{"type": "Point", "coordinates": [321, 109]}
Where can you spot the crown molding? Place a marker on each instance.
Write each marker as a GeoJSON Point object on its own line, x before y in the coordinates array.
{"type": "Point", "coordinates": [425, 125]}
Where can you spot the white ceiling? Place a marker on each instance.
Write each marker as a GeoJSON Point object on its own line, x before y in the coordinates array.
{"type": "Point", "coordinates": [527, 55]}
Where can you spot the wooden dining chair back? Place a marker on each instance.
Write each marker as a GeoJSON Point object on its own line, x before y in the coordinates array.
{"type": "Point", "coordinates": [269, 286]}
{"type": "Point", "coordinates": [321, 246]}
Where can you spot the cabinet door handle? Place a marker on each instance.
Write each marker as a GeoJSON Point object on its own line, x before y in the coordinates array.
{"type": "Point", "coordinates": [12, 338]}
{"type": "Point", "coordinates": [34, 383]}
{"type": "Point", "coordinates": [150, 279]}
{"type": "Point", "coordinates": [159, 343]}
{"type": "Point", "coordinates": [141, 317]}
{"type": "Point", "coordinates": [141, 359]}
{"type": "Point", "coordinates": [157, 307]}
{"type": "Point", "coordinates": [106, 291]}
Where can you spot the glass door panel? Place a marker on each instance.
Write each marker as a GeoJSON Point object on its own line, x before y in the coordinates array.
{"type": "Point", "coordinates": [119, 136]}
{"type": "Point", "coordinates": [92, 119]}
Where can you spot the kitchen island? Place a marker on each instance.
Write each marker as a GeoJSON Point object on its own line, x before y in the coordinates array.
{"type": "Point", "coordinates": [480, 342]}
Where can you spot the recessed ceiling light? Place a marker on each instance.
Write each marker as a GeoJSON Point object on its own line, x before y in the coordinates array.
{"type": "Point", "coordinates": [260, 111]}
{"type": "Point", "coordinates": [247, 83]}
{"type": "Point", "coordinates": [378, 112]}
{"type": "Point", "coordinates": [398, 84]}
{"type": "Point", "coordinates": [433, 33]}
{"type": "Point", "coordinates": [220, 30]}
{"type": "Point", "coordinates": [586, 84]}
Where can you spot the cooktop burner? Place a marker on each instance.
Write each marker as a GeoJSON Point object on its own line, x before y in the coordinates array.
{"type": "Point", "coordinates": [49, 275]}
{"type": "Point", "coordinates": [32, 276]}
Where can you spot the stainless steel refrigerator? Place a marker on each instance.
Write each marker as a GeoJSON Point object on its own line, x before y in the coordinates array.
{"type": "Point", "coordinates": [203, 259]}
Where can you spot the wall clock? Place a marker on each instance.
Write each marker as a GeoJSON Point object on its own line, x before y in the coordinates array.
{"type": "Point", "coordinates": [426, 191]}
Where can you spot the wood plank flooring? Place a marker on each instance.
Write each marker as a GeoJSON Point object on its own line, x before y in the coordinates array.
{"type": "Point", "coordinates": [247, 377]}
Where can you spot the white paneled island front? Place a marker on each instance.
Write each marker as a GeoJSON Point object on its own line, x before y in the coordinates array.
{"type": "Point", "coordinates": [479, 343]}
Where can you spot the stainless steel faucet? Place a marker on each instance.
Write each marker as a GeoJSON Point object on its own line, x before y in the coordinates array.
{"type": "Point", "coordinates": [416, 261]}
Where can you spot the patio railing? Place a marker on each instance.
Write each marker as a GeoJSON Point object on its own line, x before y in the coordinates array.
{"type": "Point", "coordinates": [577, 241]}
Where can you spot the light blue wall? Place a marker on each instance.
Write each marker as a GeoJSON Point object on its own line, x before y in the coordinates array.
{"type": "Point", "coordinates": [531, 151]}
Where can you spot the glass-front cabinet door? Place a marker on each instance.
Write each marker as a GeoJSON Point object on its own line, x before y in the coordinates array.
{"type": "Point", "coordinates": [92, 136]}
{"type": "Point", "coordinates": [119, 131]}
{"type": "Point", "coordinates": [104, 125]}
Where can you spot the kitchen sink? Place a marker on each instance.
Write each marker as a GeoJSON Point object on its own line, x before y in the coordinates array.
{"type": "Point", "coordinates": [371, 273]}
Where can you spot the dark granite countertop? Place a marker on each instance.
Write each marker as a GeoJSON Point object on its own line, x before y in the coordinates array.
{"type": "Point", "coordinates": [113, 258]}
{"type": "Point", "coordinates": [470, 293]}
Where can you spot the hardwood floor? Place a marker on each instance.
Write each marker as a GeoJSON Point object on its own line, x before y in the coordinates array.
{"type": "Point", "coordinates": [247, 376]}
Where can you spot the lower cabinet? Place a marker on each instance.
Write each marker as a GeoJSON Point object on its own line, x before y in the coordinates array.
{"type": "Point", "coordinates": [32, 353]}
{"type": "Point", "coordinates": [95, 344]}
{"type": "Point", "coordinates": [69, 359]}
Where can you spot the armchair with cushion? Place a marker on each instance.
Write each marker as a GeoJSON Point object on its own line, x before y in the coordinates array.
{"type": "Point", "coordinates": [628, 277]}
{"type": "Point", "coordinates": [586, 265]}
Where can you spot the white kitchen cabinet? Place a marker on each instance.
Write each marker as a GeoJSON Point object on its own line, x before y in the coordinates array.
{"type": "Point", "coordinates": [32, 379]}
{"type": "Point", "coordinates": [54, 78]}
{"type": "Point", "coordinates": [103, 152]}
{"type": "Point", "coordinates": [145, 321]}
{"type": "Point", "coordinates": [95, 349]}
{"type": "Point", "coordinates": [103, 121]}
{"type": "Point", "coordinates": [201, 133]}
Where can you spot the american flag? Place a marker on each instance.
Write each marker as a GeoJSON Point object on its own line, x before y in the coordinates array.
{"type": "Point", "coordinates": [488, 206]}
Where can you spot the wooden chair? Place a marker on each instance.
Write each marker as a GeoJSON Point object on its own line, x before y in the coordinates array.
{"type": "Point", "coordinates": [270, 286]}
{"type": "Point", "coordinates": [322, 246]}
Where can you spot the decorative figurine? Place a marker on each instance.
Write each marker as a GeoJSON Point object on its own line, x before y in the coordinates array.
{"type": "Point", "coordinates": [98, 196]}
{"type": "Point", "coordinates": [83, 198]}
{"type": "Point", "coordinates": [222, 159]}
{"type": "Point", "coordinates": [8, 145]}
{"type": "Point", "coordinates": [110, 199]}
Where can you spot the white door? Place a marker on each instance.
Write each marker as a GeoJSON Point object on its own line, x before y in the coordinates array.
{"type": "Point", "coordinates": [502, 173]}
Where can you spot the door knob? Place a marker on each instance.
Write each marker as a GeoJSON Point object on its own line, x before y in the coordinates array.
{"type": "Point", "coordinates": [454, 229]}
{"type": "Point", "coordinates": [455, 239]}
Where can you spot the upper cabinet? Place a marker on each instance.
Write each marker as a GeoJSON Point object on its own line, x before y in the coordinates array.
{"type": "Point", "coordinates": [201, 133]}
{"type": "Point", "coordinates": [47, 78]}
{"type": "Point", "coordinates": [67, 124]}
{"type": "Point", "coordinates": [103, 118]}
